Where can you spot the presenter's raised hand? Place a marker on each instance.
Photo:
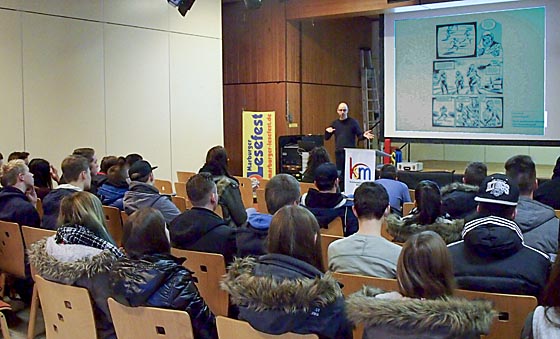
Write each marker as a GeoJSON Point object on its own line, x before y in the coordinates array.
{"type": "Point", "coordinates": [369, 135]}
{"type": "Point", "coordinates": [330, 129]}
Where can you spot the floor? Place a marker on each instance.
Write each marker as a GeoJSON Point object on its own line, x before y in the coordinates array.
{"type": "Point", "coordinates": [20, 331]}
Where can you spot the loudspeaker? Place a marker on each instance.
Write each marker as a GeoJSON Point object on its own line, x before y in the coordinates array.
{"type": "Point", "coordinates": [252, 4]}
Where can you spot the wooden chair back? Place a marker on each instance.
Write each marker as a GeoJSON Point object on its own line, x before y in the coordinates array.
{"type": "Point", "coordinates": [326, 240]}
{"type": "Point", "coordinates": [305, 186]}
{"type": "Point", "coordinates": [557, 212]}
{"type": "Point", "coordinates": [263, 182]}
{"type": "Point", "coordinates": [181, 189]}
{"type": "Point", "coordinates": [12, 251]}
{"type": "Point", "coordinates": [33, 234]}
{"type": "Point", "coordinates": [334, 228]}
{"type": "Point", "coordinates": [39, 208]}
{"type": "Point", "coordinates": [180, 202]}
{"type": "Point", "coordinates": [183, 176]}
{"type": "Point", "coordinates": [67, 310]}
{"type": "Point", "coordinates": [208, 270]}
{"type": "Point", "coordinates": [114, 223]}
{"type": "Point", "coordinates": [149, 322]}
{"type": "Point", "coordinates": [407, 207]}
{"type": "Point", "coordinates": [246, 189]}
{"type": "Point", "coordinates": [512, 311]}
{"type": "Point", "coordinates": [164, 186]}
{"type": "Point", "coordinates": [124, 217]}
{"type": "Point", "coordinates": [4, 306]}
{"type": "Point", "coordinates": [261, 201]}
{"type": "Point", "coordinates": [234, 329]}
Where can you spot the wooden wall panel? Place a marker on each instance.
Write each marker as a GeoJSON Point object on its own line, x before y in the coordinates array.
{"type": "Point", "coordinates": [293, 51]}
{"type": "Point", "coordinates": [308, 9]}
{"type": "Point", "coordinates": [331, 50]}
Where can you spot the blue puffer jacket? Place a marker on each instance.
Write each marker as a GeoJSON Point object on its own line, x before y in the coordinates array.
{"type": "Point", "coordinates": [111, 195]}
{"type": "Point", "coordinates": [160, 281]}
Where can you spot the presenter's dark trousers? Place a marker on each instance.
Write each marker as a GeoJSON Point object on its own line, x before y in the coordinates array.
{"type": "Point", "coordinates": [339, 156]}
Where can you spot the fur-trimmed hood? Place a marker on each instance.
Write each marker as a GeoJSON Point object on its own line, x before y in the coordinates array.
{"type": "Point", "coordinates": [261, 293]}
{"type": "Point", "coordinates": [458, 186]}
{"type": "Point", "coordinates": [92, 262]}
{"type": "Point", "coordinates": [458, 316]}
{"type": "Point", "coordinates": [449, 230]}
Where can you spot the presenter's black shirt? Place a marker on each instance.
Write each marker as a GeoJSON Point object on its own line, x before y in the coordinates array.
{"type": "Point", "coordinates": [345, 134]}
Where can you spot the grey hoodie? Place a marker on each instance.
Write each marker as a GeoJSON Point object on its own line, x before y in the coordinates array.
{"type": "Point", "coordinates": [539, 225]}
{"type": "Point", "coordinates": [142, 195]}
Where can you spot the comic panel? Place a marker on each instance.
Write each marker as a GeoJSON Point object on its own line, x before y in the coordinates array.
{"type": "Point", "coordinates": [492, 112]}
{"type": "Point", "coordinates": [456, 40]}
{"type": "Point", "coordinates": [468, 77]}
{"type": "Point", "coordinates": [489, 43]}
{"type": "Point", "coordinates": [443, 112]}
{"type": "Point", "coordinates": [467, 110]}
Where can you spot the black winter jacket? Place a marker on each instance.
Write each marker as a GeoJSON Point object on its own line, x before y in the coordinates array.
{"type": "Point", "coordinates": [279, 294]}
{"type": "Point", "coordinates": [14, 207]}
{"type": "Point", "coordinates": [457, 200]}
{"type": "Point", "coordinates": [200, 229]}
{"type": "Point", "coordinates": [160, 281]}
{"type": "Point", "coordinates": [549, 193]}
{"type": "Point", "coordinates": [493, 258]}
{"type": "Point", "coordinates": [328, 206]}
{"type": "Point", "coordinates": [51, 206]}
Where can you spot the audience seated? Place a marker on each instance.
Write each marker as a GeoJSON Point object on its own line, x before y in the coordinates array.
{"type": "Point", "coordinates": [43, 174]}
{"type": "Point", "coordinates": [398, 191]}
{"type": "Point", "coordinates": [492, 256]}
{"type": "Point", "coordinates": [106, 163]}
{"type": "Point", "coordinates": [549, 192]}
{"type": "Point", "coordinates": [151, 276]}
{"type": "Point", "coordinates": [231, 202]}
{"type": "Point", "coordinates": [200, 229]}
{"type": "Point", "coordinates": [80, 254]}
{"type": "Point", "coordinates": [89, 154]}
{"type": "Point", "coordinates": [114, 187]}
{"type": "Point", "coordinates": [317, 156]}
{"type": "Point", "coordinates": [426, 215]}
{"type": "Point", "coordinates": [366, 252]}
{"type": "Point", "coordinates": [131, 158]}
{"type": "Point", "coordinates": [76, 171]}
{"type": "Point", "coordinates": [424, 306]}
{"type": "Point", "coordinates": [142, 192]}
{"type": "Point", "coordinates": [457, 199]}
{"type": "Point", "coordinates": [327, 203]}
{"type": "Point", "coordinates": [283, 189]}
{"type": "Point", "coordinates": [19, 155]}
{"type": "Point", "coordinates": [18, 199]}
{"type": "Point", "coordinates": [286, 290]}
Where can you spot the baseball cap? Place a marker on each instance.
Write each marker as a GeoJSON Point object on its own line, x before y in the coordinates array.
{"type": "Point", "coordinates": [140, 169]}
{"type": "Point", "coordinates": [326, 173]}
{"type": "Point", "coordinates": [498, 189]}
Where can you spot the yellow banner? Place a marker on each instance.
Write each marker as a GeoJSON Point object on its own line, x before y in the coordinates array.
{"type": "Point", "coordinates": [259, 145]}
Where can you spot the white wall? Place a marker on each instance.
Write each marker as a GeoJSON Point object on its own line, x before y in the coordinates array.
{"type": "Point", "coordinates": [119, 76]}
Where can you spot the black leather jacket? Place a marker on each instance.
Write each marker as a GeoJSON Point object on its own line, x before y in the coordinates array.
{"type": "Point", "coordinates": [160, 281]}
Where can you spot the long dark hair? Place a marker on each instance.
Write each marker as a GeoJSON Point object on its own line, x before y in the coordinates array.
{"type": "Point", "coordinates": [144, 234]}
{"type": "Point", "coordinates": [41, 170]}
{"type": "Point", "coordinates": [294, 231]}
{"type": "Point", "coordinates": [217, 161]}
{"type": "Point", "coordinates": [428, 203]}
{"type": "Point", "coordinates": [556, 170]}
{"type": "Point", "coordinates": [317, 156]}
{"type": "Point", "coordinates": [551, 294]}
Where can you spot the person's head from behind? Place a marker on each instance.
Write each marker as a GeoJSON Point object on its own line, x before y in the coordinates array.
{"type": "Point", "coordinates": [76, 171]}
{"type": "Point", "coordinates": [107, 162]}
{"type": "Point", "coordinates": [371, 201]}
{"type": "Point", "coordinates": [19, 155]}
{"type": "Point", "coordinates": [41, 170]}
{"type": "Point", "coordinates": [84, 209]}
{"type": "Point", "coordinates": [89, 154]}
{"type": "Point", "coordinates": [132, 158]}
{"type": "Point", "coordinates": [317, 156]}
{"type": "Point", "coordinates": [294, 232]}
{"type": "Point", "coordinates": [555, 171]}
{"type": "Point", "coordinates": [145, 233]}
{"type": "Point", "coordinates": [497, 196]}
{"type": "Point", "coordinates": [475, 173]}
{"type": "Point", "coordinates": [117, 176]}
{"type": "Point", "coordinates": [424, 267]}
{"type": "Point", "coordinates": [202, 191]}
{"type": "Point", "coordinates": [218, 159]}
{"type": "Point", "coordinates": [388, 171]}
{"type": "Point", "coordinates": [326, 177]}
{"type": "Point", "coordinates": [283, 189]}
{"type": "Point", "coordinates": [428, 202]}
{"type": "Point", "coordinates": [142, 171]}
{"type": "Point", "coordinates": [521, 169]}
{"type": "Point", "coordinates": [16, 173]}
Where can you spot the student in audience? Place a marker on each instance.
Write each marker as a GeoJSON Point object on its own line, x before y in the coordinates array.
{"type": "Point", "coordinates": [424, 306]}
{"type": "Point", "coordinates": [283, 189]}
{"type": "Point", "coordinates": [142, 193]}
{"type": "Point", "coordinates": [113, 190]}
{"type": "Point", "coordinates": [492, 256]}
{"type": "Point", "coordinates": [76, 171]}
{"type": "Point", "coordinates": [151, 276]}
{"type": "Point", "coordinates": [544, 322]}
{"type": "Point", "coordinates": [537, 221]}
{"type": "Point", "coordinates": [286, 290]}
{"type": "Point", "coordinates": [200, 229]}
{"type": "Point", "coordinates": [106, 163]}
{"type": "Point", "coordinates": [132, 158]}
{"type": "Point", "coordinates": [44, 174]}
{"type": "Point", "coordinates": [457, 198]}
{"type": "Point", "coordinates": [549, 192]}
{"type": "Point", "coordinates": [89, 154]}
{"type": "Point", "coordinates": [317, 156]}
{"type": "Point", "coordinates": [327, 203]}
{"type": "Point", "coordinates": [426, 216]}
{"type": "Point", "coordinates": [19, 155]}
{"type": "Point", "coordinates": [398, 191]}
{"type": "Point", "coordinates": [81, 254]}
{"type": "Point", "coordinates": [366, 252]}
{"type": "Point", "coordinates": [231, 202]}
{"type": "Point", "coordinates": [18, 199]}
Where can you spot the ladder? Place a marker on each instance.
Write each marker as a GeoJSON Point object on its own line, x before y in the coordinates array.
{"type": "Point", "coordinates": [370, 96]}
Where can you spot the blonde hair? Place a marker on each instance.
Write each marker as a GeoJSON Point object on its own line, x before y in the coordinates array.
{"type": "Point", "coordinates": [85, 209]}
{"type": "Point", "coordinates": [11, 170]}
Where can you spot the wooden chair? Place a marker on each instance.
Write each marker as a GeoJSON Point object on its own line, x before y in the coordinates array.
{"type": "Point", "coordinates": [557, 213]}
{"type": "Point", "coordinates": [114, 223]}
{"type": "Point", "coordinates": [208, 270]}
{"type": "Point", "coordinates": [512, 311]}
{"type": "Point", "coordinates": [305, 186]}
{"type": "Point", "coordinates": [334, 228]}
{"type": "Point", "coordinates": [12, 253]}
{"type": "Point", "coordinates": [263, 182]}
{"type": "Point", "coordinates": [67, 310]}
{"type": "Point", "coordinates": [124, 217]}
{"type": "Point", "coordinates": [181, 189]}
{"type": "Point", "coordinates": [261, 201]}
{"type": "Point", "coordinates": [326, 240]}
{"type": "Point", "coordinates": [234, 329]}
{"type": "Point", "coordinates": [412, 195]}
{"type": "Point", "coordinates": [149, 322]}
{"type": "Point", "coordinates": [246, 188]}
{"type": "Point", "coordinates": [184, 176]}
{"type": "Point", "coordinates": [4, 306]}
{"type": "Point", "coordinates": [39, 208]}
{"type": "Point", "coordinates": [407, 207]}
{"type": "Point", "coordinates": [30, 236]}
{"type": "Point", "coordinates": [384, 233]}
{"type": "Point", "coordinates": [180, 202]}
{"type": "Point", "coordinates": [164, 186]}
